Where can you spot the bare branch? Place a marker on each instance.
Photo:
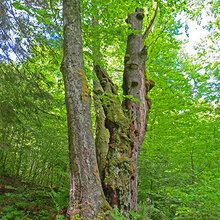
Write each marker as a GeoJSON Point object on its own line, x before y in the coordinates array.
{"type": "Point", "coordinates": [146, 33]}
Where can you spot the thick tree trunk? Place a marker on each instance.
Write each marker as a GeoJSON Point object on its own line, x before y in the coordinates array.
{"type": "Point", "coordinates": [85, 186]}
{"type": "Point", "coordinates": [114, 164]}
{"type": "Point", "coordinates": [134, 81]}
{"type": "Point", "coordinates": [120, 129]}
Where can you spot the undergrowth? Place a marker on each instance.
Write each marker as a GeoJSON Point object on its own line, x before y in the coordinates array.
{"type": "Point", "coordinates": [20, 200]}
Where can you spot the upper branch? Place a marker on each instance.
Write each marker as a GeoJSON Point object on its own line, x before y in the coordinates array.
{"type": "Point", "coordinates": [146, 33]}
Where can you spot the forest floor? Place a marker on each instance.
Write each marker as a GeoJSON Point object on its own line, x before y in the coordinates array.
{"type": "Point", "coordinates": [21, 200]}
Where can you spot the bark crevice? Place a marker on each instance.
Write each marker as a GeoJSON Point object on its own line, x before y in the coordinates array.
{"type": "Point", "coordinates": [125, 123]}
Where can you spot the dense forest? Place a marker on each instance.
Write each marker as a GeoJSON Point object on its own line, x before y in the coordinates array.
{"type": "Point", "coordinates": [106, 112]}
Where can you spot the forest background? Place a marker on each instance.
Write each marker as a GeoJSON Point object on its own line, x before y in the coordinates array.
{"type": "Point", "coordinates": [178, 164]}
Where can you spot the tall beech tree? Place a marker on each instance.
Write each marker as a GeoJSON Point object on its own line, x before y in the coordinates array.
{"type": "Point", "coordinates": [85, 186]}
{"type": "Point", "coordinates": [120, 127]}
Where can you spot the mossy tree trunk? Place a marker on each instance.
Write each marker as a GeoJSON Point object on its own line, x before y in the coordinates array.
{"type": "Point", "coordinates": [120, 127]}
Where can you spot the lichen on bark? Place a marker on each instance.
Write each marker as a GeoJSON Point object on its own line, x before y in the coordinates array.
{"type": "Point", "coordinates": [120, 128]}
{"type": "Point", "coordinates": [86, 195]}
{"type": "Point", "coordinates": [124, 123]}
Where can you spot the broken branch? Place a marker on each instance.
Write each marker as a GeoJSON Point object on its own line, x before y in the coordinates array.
{"type": "Point", "coordinates": [146, 33]}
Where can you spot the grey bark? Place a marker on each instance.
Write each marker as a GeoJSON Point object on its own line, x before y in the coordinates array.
{"type": "Point", "coordinates": [85, 186]}
{"type": "Point", "coordinates": [136, 84]}
{"type": "Point", "coordinates": [120, 129]}
{"type": "Point", "coordinates": [120, 133]}
{"type": "Point", "coordinates": [115, 166]}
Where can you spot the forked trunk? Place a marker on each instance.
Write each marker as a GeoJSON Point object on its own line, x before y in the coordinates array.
{"type": "Point", "coordinates": [121, 128]}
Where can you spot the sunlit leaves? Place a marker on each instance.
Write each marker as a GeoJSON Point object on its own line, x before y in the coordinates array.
{"type": "Point", "coordinates": [178, 164]}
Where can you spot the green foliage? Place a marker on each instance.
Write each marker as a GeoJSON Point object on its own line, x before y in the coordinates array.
{"type": "Point", "coordinates": [33, 121]}
{"type": "Point", "coordinates": [117, 215]}
{"type": "Point", "coordinates": [178, 165]}
{"type": "Point", "coordinates": [60, 198]}
{"type": "Point", "coordinates": [135, 215]}
{"type": "Point", "coordinates": [179, 160]}
{"type": "Point", "coordinates": [60, 217]}
{"type": "Point", "coordinates": [25, 201]}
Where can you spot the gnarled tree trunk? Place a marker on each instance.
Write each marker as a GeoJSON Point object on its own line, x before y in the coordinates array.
{"type": "Point", "coordinates": [120, 127]}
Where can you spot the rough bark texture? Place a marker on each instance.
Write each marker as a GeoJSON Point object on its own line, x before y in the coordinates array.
{"type": "Point", "coordinates": [134, 81]}
{"type": "Point", "coordinates": [102, 133]}
{"type": "Point", "coordinates": [115, 167]}
{"type": "Point", "coordinates": [136, 84]}
{"type": "Point", "coordinates": [120, 129]}
{"type": "Point", "coordinates": [86, 193]}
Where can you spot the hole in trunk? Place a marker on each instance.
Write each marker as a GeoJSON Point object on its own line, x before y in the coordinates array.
{"type": "Point", "coordinates": [133, 84]}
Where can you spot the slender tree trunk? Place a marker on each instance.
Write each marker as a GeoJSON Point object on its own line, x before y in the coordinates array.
{"type": "Point", "coordinates": [19, 163]}
{"type": "Point", "coordinates": [36, 172]}
{"type": "Point", "coordinates": [85, 185]}
{"type": "Point", "coordinates": [20, 155]}
{"type": "Point", "coordinates": [4, 161]}
{"type": "Point", "coordinates": [7, 142]}
{"type": "Point", "coordinates": [31, 168]}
